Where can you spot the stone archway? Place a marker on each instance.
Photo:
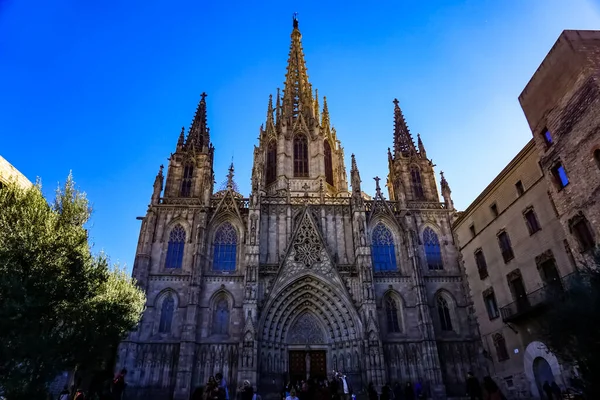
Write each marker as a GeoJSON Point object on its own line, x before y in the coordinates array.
{"type": "Point", "coordinates": [308, 316]}
{"type": "Point", "coordinates": [540, 363]}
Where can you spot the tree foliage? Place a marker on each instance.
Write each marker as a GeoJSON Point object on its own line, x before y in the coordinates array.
{"type": "Point", "coordinates": [60, 306]}
{"type": "Point", "coordinates": [571, 326]}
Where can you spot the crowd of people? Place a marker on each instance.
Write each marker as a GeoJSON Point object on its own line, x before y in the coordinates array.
{"type": "Point", "coordinates": [105, 389]}
{"type": "Point", "coordinates": [216, 389]}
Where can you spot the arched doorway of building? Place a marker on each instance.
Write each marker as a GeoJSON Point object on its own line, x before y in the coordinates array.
{"type": "Point", "coordinates": [542, 373]}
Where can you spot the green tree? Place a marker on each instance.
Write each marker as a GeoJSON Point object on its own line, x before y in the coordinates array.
{"type": "Point", "coordinates": [571, 326]}
{"type": "Point", "coordinates": [60, 306]}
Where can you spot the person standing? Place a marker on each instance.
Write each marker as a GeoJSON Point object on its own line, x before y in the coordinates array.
{"type": "Point", "coordinates": [64, 395]}
{"type": "Point", "coordinates": [548, 390]}
{"type": "Point", "coordinates": [371, 392]}
{"type": "Point", "coordinates": [119, 385]}
{"type": "Point", "coordinates": [344, 387]}
{"type": "Point", "coordinates": [491, 390]}
{"type": "Point", "coordinates": [222, 384]}
{"type": "Point", "coordinates": [473, 387]}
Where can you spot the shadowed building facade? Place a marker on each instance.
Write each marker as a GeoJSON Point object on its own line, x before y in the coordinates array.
{"type": "Point", "coordinates": [305, 276]}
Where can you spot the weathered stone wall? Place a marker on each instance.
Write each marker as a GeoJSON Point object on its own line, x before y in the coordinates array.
{"type": "Point", "coordinates": [563, 97]}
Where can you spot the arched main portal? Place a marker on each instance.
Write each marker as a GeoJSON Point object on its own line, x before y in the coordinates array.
{"type": "Point", "coordinates": [308, 328]}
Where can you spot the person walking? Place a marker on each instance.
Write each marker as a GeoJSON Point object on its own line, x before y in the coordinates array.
{"type": "Point", "coordinates": [491, 390]}
{"type": "Point", "coordinates": [473, 387]}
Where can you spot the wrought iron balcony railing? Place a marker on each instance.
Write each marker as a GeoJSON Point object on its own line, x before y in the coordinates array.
{"type": "Point", "coordinates": [534, 301]}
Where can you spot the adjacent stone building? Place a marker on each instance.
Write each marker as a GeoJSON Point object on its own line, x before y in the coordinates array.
{"type": "Point", "coordinates": [8, 173]}
{"type": "Point", "coordinates": [304, 276]}
{"type": "Point", "coordinates": [562, 106]}
{"type": "Point", "coordinates": [529, 229]}
{"type": "Point", "coordinates": [515, 253]}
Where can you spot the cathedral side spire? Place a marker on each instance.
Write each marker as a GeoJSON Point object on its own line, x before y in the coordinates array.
{"type": "Point", "coordinates": [355, 182]}
{"type": "Point", "coordinates": [403, 142]}
{"type": "Point", "coordinates": [325, 119]}
{"type": "Point", "coordinates": [297, 96]}
{"type": "Point", "coordinates": [421, 146]}
{"type": "Point", "coordinates": [316, 105]}
{"type": "Point", "coordinates": [278, 112]}
{"type": "Point", "coordinates": [198, 136]}
{"type": "Point", "coordinates": [181, 139]}
{"type": "Point", "coordinates": [270, 125]}
{"type": "Point", "coordinates": [446, 192]}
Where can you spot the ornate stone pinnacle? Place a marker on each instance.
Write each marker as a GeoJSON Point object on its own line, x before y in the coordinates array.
{"type": "Point", "coordinates": [230, 177]}
{"type": "Point", "coordinates": [377, 188]}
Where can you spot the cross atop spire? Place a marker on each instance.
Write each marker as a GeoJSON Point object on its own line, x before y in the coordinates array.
{"type": "Point", "coordinates": [295, 19]}
{"type": "Point", "coordinates": [230, 177]}
{"type": "Point", "coordinates": [198, 135]}
{"type": "Point", "coordinates": [377, 187]}
{"type": "Point", "coordinates": [403, 142]}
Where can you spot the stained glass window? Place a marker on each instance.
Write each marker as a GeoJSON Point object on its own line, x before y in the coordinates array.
{"type": "Point", "coordinates": [433, 252]}
{"type": "Point", "coordinates": [186, 182]}
{"type": "Point", "coordinates": [300, 156]}
{"type": "Point", "coordinates": [444, 314]}
{"type": "Point", "coordinates": [225, 248]}
{"type": "Point", "coordinates": [271, 162]}
{"type": "Point", "coordinates": [166, 314]}
{"type": "Point", "coordinates": [328, 162]}
{"type": "Point", "coordinates": [416, 183]}
{"type": "Point", "coordinates": [383, 250]}
{"type": "Point", "coordinates": [391, 312]}
{"type": "Point", "coordinates": [221, 318]}
{"type": "Point", "coordinates": [176, 246]}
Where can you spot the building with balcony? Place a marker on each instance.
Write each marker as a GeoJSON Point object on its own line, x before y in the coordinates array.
{"type": "Point", "coordinates": [515, 254]}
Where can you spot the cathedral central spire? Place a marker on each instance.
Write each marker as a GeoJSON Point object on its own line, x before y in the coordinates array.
{"type": "Point", "coordinates": [403, 141]}
{"type": "Point", "coordinates": [297, 93]}
{"type": "Point", "coordinates": [198, 135]}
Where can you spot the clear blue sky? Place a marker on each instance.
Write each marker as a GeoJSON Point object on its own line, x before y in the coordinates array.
{"type": "Point", "coordinates": [102, 88]}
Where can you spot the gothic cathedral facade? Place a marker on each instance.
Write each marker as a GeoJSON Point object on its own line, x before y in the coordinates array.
{"type": "Point", "coordinates": [305, 276]}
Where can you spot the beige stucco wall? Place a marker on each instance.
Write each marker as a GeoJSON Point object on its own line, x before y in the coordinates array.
{"type": "Point", "coordinates": [502, 191]}
{"type": "Point", "coordinates": [8, 173]}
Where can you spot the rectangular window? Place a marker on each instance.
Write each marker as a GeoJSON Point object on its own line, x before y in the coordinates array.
{"type": "Point", "coordinates": [531, 220]}
{"type": "Point", "coordinates": [490, 305]}
{"type": "Point", "coordinates": [481, 264]}
{"type": "Point", "coordinates": [472, 229]}
{"type": "Point", "coordinates": [505, 246]}
{"type": "Point", "coordinates": [520, 189]}
{"type": "Point", "coordinates": [583, 234]}
{"type": "Point", "coordinates": [494, 208]}
{"type": "Point", "coordinates": [560, 176]}
{"type": "Point", "coordinates": [547, 137]}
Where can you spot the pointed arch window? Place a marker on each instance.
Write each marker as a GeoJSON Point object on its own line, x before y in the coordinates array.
{"type": "Point", "coordinates": [300, 156]}
{"type": "Point", "coordinates": [433, 251]}
{"type": "Point", "coordinates": [417, 185]}
{"type": "Point", "coordinates": [225, 248]}
{"type": "Point", "coordinates": [444, 314]}
{"type": "Point", "coordinates": [175, 248]}
{"type": "Point", "coordinates": [328, 162]}
{"type": "Point", "coordinates": [166, 314]}
{"type": "Point", "coordinates": [221, 317]}
{"type": "Point", "coordinates": [186, 181]}
{"type": "Point", "coordinates": [383, 251]}
{"type": "Point", "coordinates": [500, 345]}
{"type": "Point", "coordinates": [271, 161]}
{"type": "Point", "coordinates": [391, 313]}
